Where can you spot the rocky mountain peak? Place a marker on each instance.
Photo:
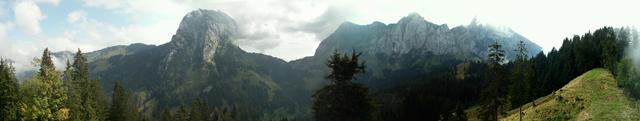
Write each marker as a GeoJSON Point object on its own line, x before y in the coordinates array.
{"type": "Point", "coordinates": [201, 33]}
{"type": "Point", "coordinates": [414, 19]}
{"type": "Point", "coordinates": [208, 21]}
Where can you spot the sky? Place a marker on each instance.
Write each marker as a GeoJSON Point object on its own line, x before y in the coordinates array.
{"type": "Point", "coordinates": [287, 29]}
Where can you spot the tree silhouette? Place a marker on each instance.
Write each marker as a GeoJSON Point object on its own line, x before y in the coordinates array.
{"type": "Point", "coordinates": [343, 100]}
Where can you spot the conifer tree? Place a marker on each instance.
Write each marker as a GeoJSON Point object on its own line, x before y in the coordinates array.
{"type": "Point", "coordinates": [343, 100]}
{"type": "Point", "coordinates": [495, 90]}
{"type": "Point", "coordinates": [8, 92]}
{"type": "Point", "coordinates": [87, 100]}
{"type": "Point", "coordinates": [42, 96]}
{"type": "Point", "coordinates": [520, 90]}
{"type": "Point", "coordinates": [119, 107]}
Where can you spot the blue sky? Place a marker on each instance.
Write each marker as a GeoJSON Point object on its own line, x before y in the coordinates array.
{"type": "Point", "coordinates": [276, 27]}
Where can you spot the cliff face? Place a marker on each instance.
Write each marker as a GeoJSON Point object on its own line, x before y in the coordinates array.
{"type": "Point", "coordinates": [413, 32]}
{"type": "Point", "coordinates": [202, 32]}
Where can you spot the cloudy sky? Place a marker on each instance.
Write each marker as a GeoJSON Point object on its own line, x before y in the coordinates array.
{"type": "Point", "coordinates": [288, 29]}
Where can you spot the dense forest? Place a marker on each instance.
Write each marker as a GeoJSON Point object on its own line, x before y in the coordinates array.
{"type": "Point", "coordinates": [495, 84]}
{"type": "Point", "coordinates": [446, 93]}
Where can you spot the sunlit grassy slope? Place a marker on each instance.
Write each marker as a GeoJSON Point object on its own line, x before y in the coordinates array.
{"type": "Point", "coordinates": [592, 96]}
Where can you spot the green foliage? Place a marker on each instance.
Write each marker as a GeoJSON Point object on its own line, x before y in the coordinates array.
{"type": "Point", "coordinates": [522, 77]}
{"type": "Point", "coordinates": [122, 105]}
{"type": "Point", "coordinates": [594, 93]}
{"type": "Point", "coordinates": [495, 90]}
{"type": "Point", "coordinates": [8, 92]}
{"type": "Point", "coordinates": [86, 98]}
{"type": "Point", "coordinates": [199, 110]}
{"type": "Point", "coordinates": [42, 96]}
{"type": "Point", "coordinates": [343, 67]}
{"type": "Point", "coordinates": [343, 100]}
{"type": "Point", "coordinates": [166, 115]}
{"type": "Point", "coordinates": [46, 65]}
{"type": "Point", "coordinates": [628, 77]}
{"type": "Point", "coordinates": [182, 114]}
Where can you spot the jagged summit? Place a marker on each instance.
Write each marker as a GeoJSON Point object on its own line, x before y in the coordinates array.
{"type": "Point", "coordinates": [412, 17]}
{"type": "Point", "coordinates": [413, 32]}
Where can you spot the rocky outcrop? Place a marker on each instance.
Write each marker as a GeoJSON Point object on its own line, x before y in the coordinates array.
{"type": "Point", "coordinates": [413, 32]}
{"type": "Point", "coordinates": [201, 32]}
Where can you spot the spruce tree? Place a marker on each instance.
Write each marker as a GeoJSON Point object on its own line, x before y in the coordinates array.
{"type": "Point", "coordinates": [494, 92]}
{"type": "Point", "coordinates": [87, 100]}
{"type": "Point", "coordinates": [43, 96]}
{"type": "Point", "coordinates": [8, 92]}
{"type": "Point", "coordinates": [343, 100]}
{"type": "Point", "coordinates": [521, 77]}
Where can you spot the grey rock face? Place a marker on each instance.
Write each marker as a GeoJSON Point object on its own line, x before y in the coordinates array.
{"type": "Point", "coordinates": [415, 33]}
{"type": "Point", "coordinates": [202, 32]}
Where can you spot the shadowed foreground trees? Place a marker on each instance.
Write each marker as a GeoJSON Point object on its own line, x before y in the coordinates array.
{"type": "Point", "coordinates": [343, 100]}
{"type": "Point", "coordinates": [8, 92]}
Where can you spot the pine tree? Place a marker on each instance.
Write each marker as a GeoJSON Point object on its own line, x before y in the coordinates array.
{"type": "Point", "coordinates": [521, 77]}
{"type": "Point", "coordinates": [87, 100]}
{"type": "Point", "coordinates": [8, 92]}
{"type": "Point", "coordinates": [494, 92]}
{"type": "Point", "coordinates": [46, 65]}
{"type": "Point", "coordinates": [117, 110]}
{"type": "Point", "coordinates": [343, 100]}
{"type": "Point", "coordinates": [42, 96]}
{"type": "Point", "coordinates": [520, 90]}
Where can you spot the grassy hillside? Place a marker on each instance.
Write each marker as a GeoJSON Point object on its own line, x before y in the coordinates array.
{"type": "Point", "coordinates": [592, 96]}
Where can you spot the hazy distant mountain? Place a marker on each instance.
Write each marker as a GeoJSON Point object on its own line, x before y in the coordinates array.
{"type": "Point", "coordinates": [411, 47]}
{"type": "Point", "coordinates": [414, 32]}
{"type": "Point", "coordinates": [202, 61]}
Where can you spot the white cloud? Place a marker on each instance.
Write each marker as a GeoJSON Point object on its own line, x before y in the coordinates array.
{"type": "Point", "coordinates": [266, 26]}
{"type": "Point", "coordinates": [76, 16]}
{"type": "Point", "coordinates": [53, 2]}
{"type": "Point", "coordinates": [4, 29]}
{"type": "Point", "coordinates": [291, 29]}
{"type": "Point", "coordinates": [3, 8]}
{"type": "Point", "coordinates": [28, 16]}
{"type": "Point", "coordinates": [109, 4]}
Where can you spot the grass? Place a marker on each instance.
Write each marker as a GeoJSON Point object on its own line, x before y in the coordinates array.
{"type": "Point", "coordinates": [592, 96]}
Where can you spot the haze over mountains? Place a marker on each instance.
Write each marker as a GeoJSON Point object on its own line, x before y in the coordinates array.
{"type": "Point", "coordinates": [201, 61]}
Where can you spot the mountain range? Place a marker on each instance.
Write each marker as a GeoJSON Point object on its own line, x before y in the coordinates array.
{"type": "Point", "coordinates": [202, 61]}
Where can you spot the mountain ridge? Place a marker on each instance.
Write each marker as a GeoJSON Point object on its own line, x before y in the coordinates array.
{"type": "Point", "coordinates": [202, 61]}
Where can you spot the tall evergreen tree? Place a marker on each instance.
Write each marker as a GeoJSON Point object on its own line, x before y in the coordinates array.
{"type": "Point", "coordinates": [521, 77]}
{"type": "Point", "coordinates": [122, 105]}
{"type": "Point", "coordinates": [117, 110]}
{"type": "Point", "coordinates": [8, 92]}
{"type": "Point", "coordinates": [87, 100]}
{"type": "Point", "coordinates": [343, 100]}
{"type": "Point", "coordinates": [494, 92]}
{"type": "Point", "coordinates": [520, 90]}
{"type": "Point", "coordinates": [42, 96]}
